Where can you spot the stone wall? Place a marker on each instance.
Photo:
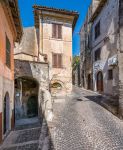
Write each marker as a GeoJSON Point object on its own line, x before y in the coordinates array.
{"type": "Point", "coordinates": [85, 53]}
{"type": "Point", "coordinates": [37, 71]}
{"type": "Point", "coordinates": [120, 59]}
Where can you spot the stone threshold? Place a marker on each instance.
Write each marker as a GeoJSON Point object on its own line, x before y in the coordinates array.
{"type": "Point", "coordinates": [20, 144]}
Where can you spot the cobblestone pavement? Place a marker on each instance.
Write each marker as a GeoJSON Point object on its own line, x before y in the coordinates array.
{"type": "Point", "coordinates": [82, 124]}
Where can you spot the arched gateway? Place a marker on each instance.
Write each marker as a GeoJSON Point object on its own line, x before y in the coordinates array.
{"type": "Point", "coordinates": [26, 98]}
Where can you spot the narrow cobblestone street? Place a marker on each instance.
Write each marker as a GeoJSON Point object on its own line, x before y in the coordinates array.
{"type": "Point", "coordinates": [79, 123]}
{"type": "Point", "coordinates": [82, 124]}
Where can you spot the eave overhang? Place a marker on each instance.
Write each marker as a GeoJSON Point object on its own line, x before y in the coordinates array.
{"type": "Point", "coordinates": [98, 10]}
{"type": "Point", "coordinates": [11, 9]}
{"type": "Point", "coordinates": [39, 9]}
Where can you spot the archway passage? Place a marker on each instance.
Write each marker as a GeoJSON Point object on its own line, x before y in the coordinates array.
{"type": "Point", "coordinates": [26, 98]}
{"type": "Point", "coordinates": [6, 113]}
{"type": "Point", "coordinates": [89, 82]}
{"type": "Point", "coordinates": [99, 81]}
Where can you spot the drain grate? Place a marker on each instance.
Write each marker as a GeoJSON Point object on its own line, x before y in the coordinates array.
{"type": "Point", "coordinates": [79, 99]}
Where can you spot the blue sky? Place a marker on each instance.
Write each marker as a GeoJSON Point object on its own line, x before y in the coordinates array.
{"type": "Point", "coordinates": [81, 6]}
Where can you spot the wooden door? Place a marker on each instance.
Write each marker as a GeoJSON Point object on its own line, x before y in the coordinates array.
{"type": "Point", "coordinates": [100, 82]}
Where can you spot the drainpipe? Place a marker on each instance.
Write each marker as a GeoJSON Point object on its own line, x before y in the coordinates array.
{"type": "Point", "coordinates": [41, 31]}
{"type": "Point", "coordinates": [40, 48]}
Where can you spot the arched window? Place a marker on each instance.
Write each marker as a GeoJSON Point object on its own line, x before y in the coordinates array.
{"type": "Point", "coordinates": [56, 85]}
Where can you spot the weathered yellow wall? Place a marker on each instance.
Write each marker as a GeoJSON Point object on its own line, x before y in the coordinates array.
{"type": "Point", "coordinates": [51, 45]}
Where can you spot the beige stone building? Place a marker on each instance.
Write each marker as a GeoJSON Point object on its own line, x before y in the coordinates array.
{"type": "Point", "coordinates": [55, 27]}
{"type": "Point", "coordinates": [43, 62]}
{"type": "Point", "coordinates": [86, 53]}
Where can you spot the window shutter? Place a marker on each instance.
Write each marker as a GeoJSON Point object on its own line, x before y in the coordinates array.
{"type": "Point", "coordinates": [59, 31]}
{"type": "Point", "coordinates": [59, 60]}
{"type": "Point", "coordinates": [54, 30]}
{"type": "Point", "coordinates": [8, 52]}
{"type": "Point", "coordinates": [54, 60]}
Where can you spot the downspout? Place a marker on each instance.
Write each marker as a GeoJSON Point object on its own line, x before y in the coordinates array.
{"type": "Point", "coordinates": [41, 27]}
{"type": "Point", "coordinates": [40, 51]}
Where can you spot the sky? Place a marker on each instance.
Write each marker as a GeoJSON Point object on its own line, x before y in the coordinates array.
{"type": "Point", "coordinates": [27, 17]}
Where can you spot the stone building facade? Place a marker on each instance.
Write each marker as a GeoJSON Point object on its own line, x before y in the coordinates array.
{"type": "Point", "coordinates": [31, 77]}
{"type": "Point", "coordinates": [10, 31]}
{"type": "Point", "coordinates": [107, 20]}
{"type": "Point", "coordinates": [86, 76]}
{"type": "Point", "coordinates": [104, 47]}
{"type": "Point", "coordinates": [55, 27]}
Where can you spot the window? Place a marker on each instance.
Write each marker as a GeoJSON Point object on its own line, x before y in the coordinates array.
{"type": "Point", "coordinates": [8, 52]}
{"type": "Point", "coordinates": [97, 54]}
{"type": "Point", "coordinates": [97, 30]}
{"type": "Point", "coordinates": [110, 74]}
{"type": "Point", "coordinates": [57, 31]}
{"type": "Point", "coordinates": [56, 85]}
{"type": "Point", "coordinates": [57, 60]}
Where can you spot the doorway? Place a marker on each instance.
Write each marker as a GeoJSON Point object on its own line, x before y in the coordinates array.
{"type": "Point", "coordinates": [89, 82]}
{"type": "Point", "coordinates": [6, 113]}
{"type": "Point", "coordinates": [32, 106]}
{"type": "Point", "coordinates": [100, 82]}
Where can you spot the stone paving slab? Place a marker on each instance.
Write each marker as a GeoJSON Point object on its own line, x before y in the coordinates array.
{"type": "Point", "coordinates": [23, 139]}
{"type": "Point", "coordinates": [33, 146]}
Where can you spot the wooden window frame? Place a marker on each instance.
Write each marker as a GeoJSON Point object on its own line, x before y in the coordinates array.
{"type": "Point", "coordinates": [8, 52]}
{"type": "Point", "coordinates": [56, 31]}
{"type": "Point", "coordinates": [97, 54]}
{"type": "Point", "coordinates": [110, 74]}
{"type": "Point", "coordinates": [57, 60]}
{"type": "Point", "coordinates": [97, 30]}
